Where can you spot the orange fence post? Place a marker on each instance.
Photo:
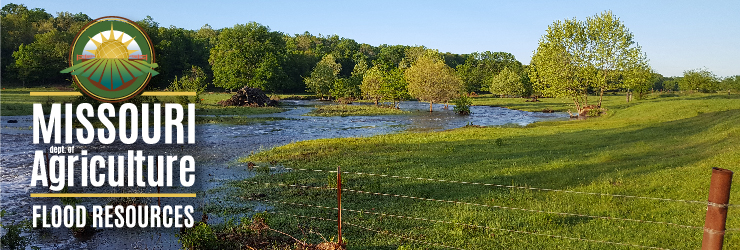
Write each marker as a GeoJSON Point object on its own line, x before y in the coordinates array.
{"type": "Point", "coordinates": [719, 197]}
{"type": "Point", "coordinates": [339, 202]}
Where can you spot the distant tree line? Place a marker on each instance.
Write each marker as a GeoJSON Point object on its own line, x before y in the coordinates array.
{"type": "Point", "coordinates": [35, 46]}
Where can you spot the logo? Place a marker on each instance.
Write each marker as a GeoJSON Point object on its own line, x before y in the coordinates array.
{"type": "Point", "coordinates": [111, 59]}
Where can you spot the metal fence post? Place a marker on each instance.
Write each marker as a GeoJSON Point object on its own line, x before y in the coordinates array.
{"type": "Point", "coordinates": [719, 196]}
{"type": "Point", "coordinates": [339, 202]}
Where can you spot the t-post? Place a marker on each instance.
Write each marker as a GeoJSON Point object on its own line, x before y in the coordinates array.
{"type": "Point", "coordinates": [719, 196]}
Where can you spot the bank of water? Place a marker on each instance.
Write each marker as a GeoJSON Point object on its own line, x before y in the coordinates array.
{"type": "Point", "coordinates": [217, 148]}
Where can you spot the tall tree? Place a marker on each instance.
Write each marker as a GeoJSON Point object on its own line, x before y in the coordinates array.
{"type": "Point", "coordinates": [575, 56]}
{"type": "Point", "coordinates": [323, 76]}
{"type": "Point", "coordinates": [559, 67]}
{"type": "Point", "coordinates": [611, 50]}
{"type": "Point", "coordinates": [431, 80]}
{"type": "Point", "coordinates": [248, 55]}
{"type": "Point", "coordinates": [372, 83]}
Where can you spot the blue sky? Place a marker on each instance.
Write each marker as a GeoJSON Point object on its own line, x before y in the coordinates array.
{"type": "Point", "coordinates": [676, 35]}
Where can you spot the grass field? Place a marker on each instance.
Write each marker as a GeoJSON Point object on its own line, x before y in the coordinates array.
{"type": "Point", "coordinates": [353, 110]}
{"type": "Point", "coordinates": [661, 147]}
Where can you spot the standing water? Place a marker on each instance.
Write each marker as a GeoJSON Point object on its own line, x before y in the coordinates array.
{"type": "Point", "coordinates": [217, 148]}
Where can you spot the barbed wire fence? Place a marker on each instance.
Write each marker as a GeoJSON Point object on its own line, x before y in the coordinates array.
{"type": "Point", "coordinates": [711, 230]}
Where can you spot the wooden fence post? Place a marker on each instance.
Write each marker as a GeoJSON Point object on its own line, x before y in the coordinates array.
{"type": "Point", "coordinates": [339, 202]}
{"type": "Point", "coordinates": [719, 196]}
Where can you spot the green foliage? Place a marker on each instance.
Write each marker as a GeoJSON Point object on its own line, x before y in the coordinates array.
{"type": "Point", "coordinates": [462, 104]}
{"type": "Point", "coordinates": [640, 79]}
{"type": "Point", "coordinates": [575, 56]}
{"type": "Point", "coordinates": [632, 150]}
{"type": "Point", "coordinates": [353, 110]}
{"type": "Point", "coordinates": [479, 68]}
{"type": "Point", "coordinates": [349, 88]}
{"type": "Point", "coordinates": [248, 55]}
{"type": "Point", "coordinates": [394, 86]}
{"type": "Point", "coordinates": [193, 80]}
{"type": "Point", "coordinates": [701, 80]}
{"type": "Point", "coordinates": [508, 83]}
{"type": "Point", "coordinates": [323, 76]}
{"type": "Point", "coordinates": [12, 238]}
{"type": "Point", "coordinates": [731, 83]}
{"type": "Point", "coordinates": [200, 236]}
{"type": "Point", "coordinates": [431, 80]}
{"type": "Point", "coordinates": [371, 84]}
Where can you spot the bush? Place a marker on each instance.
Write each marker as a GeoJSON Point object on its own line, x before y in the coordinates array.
{"type": "Point", "coordinates": [12, 238]}
{"type": "Point", "coordinates": [462, 105]}
{"type": "Point", "coordinates": [200, 236]}
{"type": "Point", "coordinates": [192, 80]}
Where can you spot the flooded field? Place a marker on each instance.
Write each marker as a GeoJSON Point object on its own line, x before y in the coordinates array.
{"type": "Point", "coordinates": [216, 150]}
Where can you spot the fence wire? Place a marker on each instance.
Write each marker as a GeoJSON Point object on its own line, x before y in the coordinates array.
{"type": "Point", "coordinates": [491, 206]}
{"type": "Point", "coordinates": [499, 185]}
{"type": "Point", "coordinates": [460, 224]}
{"type": "Point", "coordinates": [366, 228]}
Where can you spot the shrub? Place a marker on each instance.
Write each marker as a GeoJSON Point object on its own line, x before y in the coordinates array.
{"type": "Point", "coordinates": [462, 105]}
{"type": "Point", "coordinates": [192, 80]}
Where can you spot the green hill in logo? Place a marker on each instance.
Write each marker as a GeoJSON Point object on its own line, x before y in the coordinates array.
{"type": "Point", "coordinates": [115, 62]}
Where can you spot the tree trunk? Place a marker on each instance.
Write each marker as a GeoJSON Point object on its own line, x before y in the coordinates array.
{"type": "Point", "coordinates": [601, 96]}
{"type": "Point", "coordinates": [430, 106]}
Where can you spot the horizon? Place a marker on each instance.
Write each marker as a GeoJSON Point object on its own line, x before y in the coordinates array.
{"type": "Point", "coordinates": [682, 36]}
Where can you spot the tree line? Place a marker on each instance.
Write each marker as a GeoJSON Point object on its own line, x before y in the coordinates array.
{"type": "Point", "coordinates": [574, 59]}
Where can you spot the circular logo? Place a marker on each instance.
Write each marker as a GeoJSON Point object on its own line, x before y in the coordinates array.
{"type": "Point", "coordinates": [111, 59]}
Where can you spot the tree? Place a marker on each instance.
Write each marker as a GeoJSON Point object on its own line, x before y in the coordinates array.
{"type": "Point", "coordinates": [558, 67]}
{"type": "Point", "coordinates": [371, 84]}
{"type": "Point", "coordinates": [640, 79]}
{"type": "Point", "coordinates": [431, 80]}
{"type": "Point", "coordinates": [575, 56]}
{"type": "Point", "coordinates": [323, 76]}
{"type": "Point", "coordinates": [507, 82]}
{"type": "Point", "coordinates": [479, 68]}
{"type": "Point", "coordinates": [49, 51]}
{"type": "Point", "coordinates": [349, 88]}
{"type": "Point", "coordinates": [611, 50]}
{"type": "Point", "coordinates": [394, 86]}
{"type": "Point", "coordinates": [248, 55]}
{"type": "Point", "coordinates": [701, 80]}
{"type": "Point", "coordinates": [731, 83]}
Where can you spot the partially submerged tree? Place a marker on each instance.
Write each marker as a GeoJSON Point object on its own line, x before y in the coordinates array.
{"type": "Point", "coordinates": [371, 83]}
{"type": "Point", "coordinates": [431, 80]}
{"type": "Point", "coordinates": [323, 76]}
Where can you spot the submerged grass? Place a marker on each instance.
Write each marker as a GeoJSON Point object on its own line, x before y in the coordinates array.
{"type": "Point", "coordinates": [353, 110]}
{"type": "Point", "coordinates": [659, 147]}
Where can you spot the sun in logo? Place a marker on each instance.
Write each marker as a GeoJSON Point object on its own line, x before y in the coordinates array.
{"type": "Point", "coordinates": [111, 47]}
{"type": "Point", "coordinates": [111, 67]}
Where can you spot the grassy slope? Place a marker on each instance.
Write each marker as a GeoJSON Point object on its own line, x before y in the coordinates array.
{"type": "Point", "coordinates": [662, 147]}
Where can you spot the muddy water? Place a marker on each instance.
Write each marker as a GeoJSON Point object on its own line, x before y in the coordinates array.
{"type": "Point", "coordinates": [216, 151]}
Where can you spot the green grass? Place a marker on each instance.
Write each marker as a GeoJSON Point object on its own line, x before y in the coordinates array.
{"type": "Point", "coordinates": [659, 147]}
{"type": "Point", "coordinates": [556, 104]}
{"type": "Point", "coordinates": [353, 110]}
{"type": "Point", "coordinates": [16, 101]}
